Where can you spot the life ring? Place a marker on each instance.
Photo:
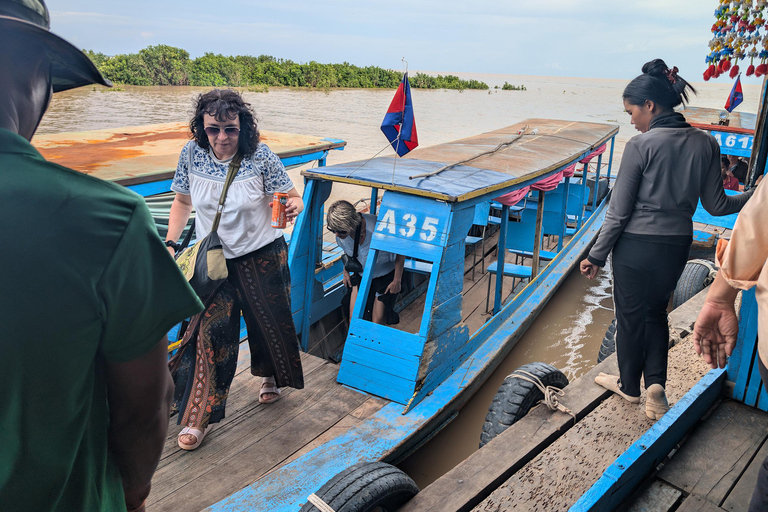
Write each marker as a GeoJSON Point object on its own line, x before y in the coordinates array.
{"type": "Point", "coordinates": [517, 396]}
{"type": "Point", "coordinates": [697, 275]}
{"type": "Point", "coordinates": [362, 488]}
{"type": "Point", "coordinates": [608, 346]}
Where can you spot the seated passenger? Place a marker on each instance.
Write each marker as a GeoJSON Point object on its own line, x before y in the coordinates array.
{"type": "Point", "coordinates": [730, 182]}
{"type": "Point", "coordinates": [348, 225]}
{"type": "Point", "coordinates": [738, 167]}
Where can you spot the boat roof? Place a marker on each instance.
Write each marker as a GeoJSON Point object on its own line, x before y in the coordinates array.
{"type": "Point", "coordinates": [141, 154]}
{"type": "Point", "coordinates": [547, 145]}
{"type": "Point", "coordinates": [709, 119]}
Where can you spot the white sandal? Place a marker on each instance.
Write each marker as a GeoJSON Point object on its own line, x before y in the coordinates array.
{"type": "Point", "coordinates": [271, 388]}
{"type": "Point", "coordinates": [199, 435]}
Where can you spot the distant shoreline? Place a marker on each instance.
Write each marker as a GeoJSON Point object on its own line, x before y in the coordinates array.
{"type": "Point", "coordinates": [163, 65]}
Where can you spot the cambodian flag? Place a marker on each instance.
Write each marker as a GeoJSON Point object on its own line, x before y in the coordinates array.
{"type": "Point", "coordinates": [736, 96]}
{"type": "Point", "coordinates": [399, 125]}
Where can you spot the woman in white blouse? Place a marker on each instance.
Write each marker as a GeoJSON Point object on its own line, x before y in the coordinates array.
{"type": "Point", "coordinates": [259, 281]}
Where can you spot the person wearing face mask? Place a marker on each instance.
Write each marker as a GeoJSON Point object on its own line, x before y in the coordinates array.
{"type": "Point", "coordinates": [89, 293]}
{"type": "Point", "coordinates": [648, 228]}
{"type": "Point", "coordinates": [354, 231]}
{"type": "Point", "coordinates": [223, 129]}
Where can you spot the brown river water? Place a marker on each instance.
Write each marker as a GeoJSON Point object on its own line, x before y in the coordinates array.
{"type": "Point", "coordinates": [568, 333]}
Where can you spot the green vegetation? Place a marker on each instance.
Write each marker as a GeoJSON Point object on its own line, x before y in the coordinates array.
{"type": "Point", "coordinates": [166, 65]}
{"type": "Point", "coordinates": [510, 87]}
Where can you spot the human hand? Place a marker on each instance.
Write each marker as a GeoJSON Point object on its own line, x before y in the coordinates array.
{"type": "Point", "coordinates": [293, 207]}
{"type": "Point", "coordinates": [347, 280]}
{"type": "Point", "coordinates": [393, 288]}
{"type": "Point", "coordinates": [172, 252]}
{"type": "Point", "coordinates": [715, 332]}
{"type": "Point", "coordinates": [588, 269]}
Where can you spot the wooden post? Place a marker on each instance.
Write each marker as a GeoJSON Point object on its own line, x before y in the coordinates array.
{"type": "Point", "coordinates": [561, 235]}
{"type": "Point", "coordinates": [501, 259]}
{"type": "Point", "coordinates": [537, 236]}
{"type": "Point", "coordinates": [374, 201]}
{"type": "Point", "coordinates": [597, 182]}
{"type": "Point", "coordinates": [760, 143]}
{"type": "Point", "coordinates": [610, 160]}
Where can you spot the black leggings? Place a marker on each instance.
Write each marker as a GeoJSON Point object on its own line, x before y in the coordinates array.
{"type": "Point", "coordinates": [644, 276]}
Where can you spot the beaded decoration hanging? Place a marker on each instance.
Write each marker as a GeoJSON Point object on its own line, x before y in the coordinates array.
{"type": "Point", "coordinates": [738, 33]}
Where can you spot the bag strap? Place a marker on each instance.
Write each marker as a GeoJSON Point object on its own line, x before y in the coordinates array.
{"type": "Point", "coordinates": [357, 240]}
{"type": "Point", "coordinates": [234, 166]}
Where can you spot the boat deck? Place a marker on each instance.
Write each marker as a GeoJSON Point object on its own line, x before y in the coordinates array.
{"type": "Point", "coordinates": [716, 467]}
{"type": "Point", "coordinates": [255, 439]}
{"type": "Point", "coordinates": [545, 462]}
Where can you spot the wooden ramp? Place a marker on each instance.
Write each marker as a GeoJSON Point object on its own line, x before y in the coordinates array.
{"type": "Point", "coordinates": [716, 467]}
{"type": "Point", "coordinates": [254, 439]}
{"type": "Point", "coordinates": [544, 462]}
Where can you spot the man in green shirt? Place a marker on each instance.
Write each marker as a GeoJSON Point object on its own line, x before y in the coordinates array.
{"type": "Point", "coordinates": [87, 293]}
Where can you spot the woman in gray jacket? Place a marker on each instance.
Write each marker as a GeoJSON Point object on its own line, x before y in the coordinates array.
{"type": "Point", "coordinates": [649, 228]}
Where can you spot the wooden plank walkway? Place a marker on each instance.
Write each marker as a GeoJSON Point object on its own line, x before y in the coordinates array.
{"type": "Point", "coordinates": [255, 439]}
{"type": "Point", "coordinates": [716, 467]}
{"type": "Point", "coordinates": [518, 471]}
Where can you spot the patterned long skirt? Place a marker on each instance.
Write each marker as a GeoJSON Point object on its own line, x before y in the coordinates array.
{"type": "Point", "coordinates": [259, 286]}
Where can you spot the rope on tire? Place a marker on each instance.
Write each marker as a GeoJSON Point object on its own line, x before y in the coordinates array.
{"type": "Point", "coordinates": [318, 502]}
{"type": "Point", "coordinates": [551, 393]}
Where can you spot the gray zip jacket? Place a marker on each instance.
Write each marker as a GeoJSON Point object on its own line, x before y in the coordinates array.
{"type": "Point", "coordinates": [663, 173]}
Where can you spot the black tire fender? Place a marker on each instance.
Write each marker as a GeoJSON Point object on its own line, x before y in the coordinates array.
{"type": "Point", "coordinates": [365, 486]}
{"type": "Point", "coordinates": [608, 346]}
{"type": "Point", "coordinates": [697, 275]}
{"type": "Point", "coordinates": [517, 396]}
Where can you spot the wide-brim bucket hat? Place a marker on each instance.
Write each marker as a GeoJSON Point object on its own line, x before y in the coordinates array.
{"type": "Point", "coordinates": [70, 67]}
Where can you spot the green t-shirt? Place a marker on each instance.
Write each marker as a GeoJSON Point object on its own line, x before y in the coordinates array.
{"type": "Point", "coordinates": [85, 278]}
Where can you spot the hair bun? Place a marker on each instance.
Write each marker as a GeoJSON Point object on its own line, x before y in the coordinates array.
{"type": "Point", "coordinates": [656, 67]}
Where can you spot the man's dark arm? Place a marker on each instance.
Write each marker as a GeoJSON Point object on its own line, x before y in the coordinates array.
{"type": "Point", "coordinates": [140, 394]}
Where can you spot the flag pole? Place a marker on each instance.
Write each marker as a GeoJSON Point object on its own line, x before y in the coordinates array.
{"type": "Point", "coordinates": [760, 144]}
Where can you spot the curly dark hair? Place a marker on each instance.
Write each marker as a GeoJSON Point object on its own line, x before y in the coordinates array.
{"type": "Point", "coordinates": [224, 104]}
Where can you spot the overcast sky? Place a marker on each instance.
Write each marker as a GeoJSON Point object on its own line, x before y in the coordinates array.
{"type": "Point", "coordinates": [583, 38]}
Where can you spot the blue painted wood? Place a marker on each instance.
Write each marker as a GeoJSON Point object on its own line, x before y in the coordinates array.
{"type": "Point", "coordinates": [502, 250]}
{"type": "Point", "coordinates": [152, 188]}
{"type": "Point", "coordinates": [511, 270]}
{"type": "Point", "coordinates": [378, 383]}
{"type": "Point", "coordinates": [597, 178]}
{"type": "Point", "coordinates": [755, 384]}
{"type": "Point", "coordinates": [374, 201]}
{"type": "Point", "coordinates": [610, 159]}
{"type": "Point", "coordinates": [405, 367]}
{"type": "Point", "coordinates": [742, 358]}
{"type": "Point", "coordinates": [582, 194]}
{"type": "Point", "coordinates": [413, 219]}
{"type": "Point", "coordinates": [703, 236]}
{"type": "Point", "coordinates": [631, 467]}
{"type": "Point", "coordinates": [420, 267]}
{"type": "Point", "coordinates": [734, 143]}
{"type": "Point", "coordinates": [388, 433]}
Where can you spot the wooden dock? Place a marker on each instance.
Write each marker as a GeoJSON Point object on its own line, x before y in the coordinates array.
{"type": "Point", "coordinates": [254, 438]}
{"type": "Point", "coordinates": [545, 462]}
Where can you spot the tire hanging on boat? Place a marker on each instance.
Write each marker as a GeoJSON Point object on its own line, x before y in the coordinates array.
{"type": "Point", "coordinates": [608, 346]}
{"type": "Point", "coordinates": [517, 396]}
{"type": "Point", "coordinates": [697, 275]}
{"type": "Point", "coordinates": [365, 486]}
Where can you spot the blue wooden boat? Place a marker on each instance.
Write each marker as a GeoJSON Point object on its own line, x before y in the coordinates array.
{"type": "Point", "coordinates": [396, 387]}
{"type": "Point", "coordinates": [421, 373]}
